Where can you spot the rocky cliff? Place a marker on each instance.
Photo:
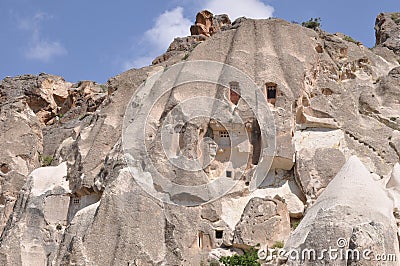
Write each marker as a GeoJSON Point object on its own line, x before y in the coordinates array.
{"type": "Point", "coordinates": [305, 127]}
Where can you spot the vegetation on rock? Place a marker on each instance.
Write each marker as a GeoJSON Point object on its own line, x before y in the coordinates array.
{"type": "Point", "coordinates": [313, 23]}
{"type": "Point", "coordinates": [249, 258]}
{"type": "Point", "coordinates": [46, 161]}
{"type": "Point", "coordinates": [349, 39]}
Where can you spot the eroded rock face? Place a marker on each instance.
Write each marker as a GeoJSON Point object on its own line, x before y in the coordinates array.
{"type": "Point", "coordinates": [330, 99]}
{"type": "Point", "coordinates": [353, 213]}
{"type": "Point", "coordinates": [319, 157]}
{"type": "Point", "coordinates": [263, 221]}
{"type": "Point", "coordinates": [21, 143]}
{"type": "Point", "coordinates": [179, 49]}
{"type": "Point", "coordinates": [387, 29]}
{"type": "Point", "coordinates": [36, 228]}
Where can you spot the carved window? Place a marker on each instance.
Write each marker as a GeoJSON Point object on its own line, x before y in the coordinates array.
{"type": "Point", "coordinates": [234, 92]}
{"type": "Point", "coordinates": [200, 239]}
{"type": "Point", "coordinates": [228, 173]}
{"type": "Point", "coordinates": [271, 92]}
{"type": "Point", "coordinates": [219, 234]}
{"type": "Point", "coordinates": [224, 134]}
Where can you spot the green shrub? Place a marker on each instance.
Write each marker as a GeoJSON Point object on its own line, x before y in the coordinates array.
{"type": "Point", "coordinates": [249, 258]}
{"type": "Point", "coordinates": [46, 161]}
{"type": "Point", "coordinates": [278, 244]}
{"type": "Point", "coordinates": [349, 39]}
{"type": "Point", "coordinates": [313, 23]}
{"type": "Point", "coordinates": [295, 224]}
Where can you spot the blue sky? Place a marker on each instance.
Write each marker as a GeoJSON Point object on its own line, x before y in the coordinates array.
{"type": "Point", "coordinates": [96, 40]}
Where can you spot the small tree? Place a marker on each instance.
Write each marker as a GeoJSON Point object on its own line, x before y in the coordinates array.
{"type": "Point", "coordinates": [313, 23]}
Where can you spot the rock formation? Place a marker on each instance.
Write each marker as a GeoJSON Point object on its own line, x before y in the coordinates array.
{"type": "Point", "coordinates": [207, 24]}
{"type": "Point", "coordinates": [70, 195]}
{"type": "Point", "coordinates": [35, 229]}
{"type": "Point", "coordinates": [353, 213]}
{"type": "Point", "coordinates": [387, 30]}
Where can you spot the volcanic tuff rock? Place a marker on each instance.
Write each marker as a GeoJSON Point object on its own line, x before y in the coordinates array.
{"type": "Point", "coordinates": [40, 213]}
{"type": "Point", "coordinates": [331, 100]}
{"type": "Point", "coordinates": [387, 28]}
{"type": "Point", "coordinates": [207, 24]}
{"type": "Point", "coordinates": [354, 208]}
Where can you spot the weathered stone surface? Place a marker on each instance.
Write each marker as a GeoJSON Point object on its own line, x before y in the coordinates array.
{"type": "Point", "coordinates": [387, 29]}
{"type": "Point", "coordinates": [393, 187]}
{"type": "Point", "coordinates": [45, 94]}
{"type": "Point", "coordinates": [320, 156]}
{"type": "Point", "coordinates": [354, 208]}
{"type": "Point", "coordinates": [94, 138]}
{"type": "Point", "coordinates": [35, 229]}
{"type": "Point", "coordinates": [263, 221]}
{"type": "Point", "coordinates": [21, 144]}
{"type": "Point", "coordinates": [179, 49]}
{"type": "Point", "coordinates": [134, 234]}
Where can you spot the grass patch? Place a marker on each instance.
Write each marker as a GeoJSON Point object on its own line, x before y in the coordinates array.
{"type": "Point", "coordinates": [349, 39]}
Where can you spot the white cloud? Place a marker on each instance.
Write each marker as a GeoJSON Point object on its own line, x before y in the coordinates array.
{"type": "Point", "coordinates": [38, 48]}
{"type": "Point", "coordinates": [167, 26]}
{"type": "Point", "coordinates": [240, 8]}
{"type": "Point", "coordinates": [45, 51]}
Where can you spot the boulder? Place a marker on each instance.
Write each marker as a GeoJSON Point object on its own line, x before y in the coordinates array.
{"type": "Point", "coordinates": [264, 221]}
